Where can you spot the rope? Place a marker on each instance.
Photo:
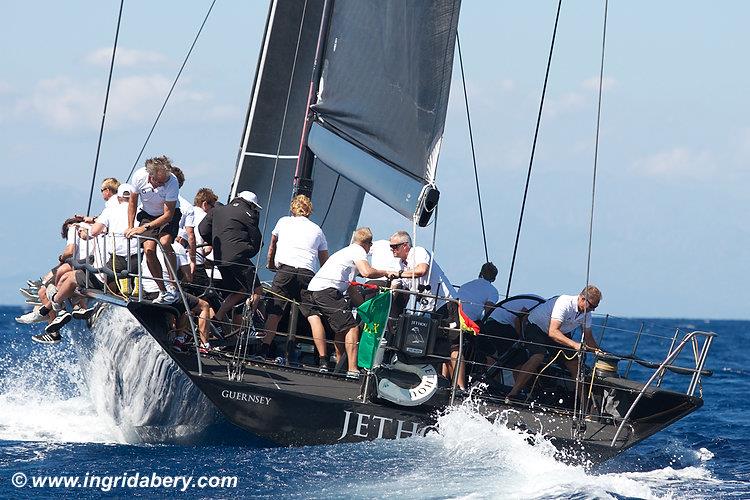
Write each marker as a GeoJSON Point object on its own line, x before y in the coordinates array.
{"type": "Point", "coordinates": [169, 94]}
{"type": "Point", "coordinates": [104, 112]}
{"type": "Point", "coordinates": [596, 148]}
{"type": "Point", "coordinates": [533, 149]}
{"type": "Point", "coordinates": [473, 155]}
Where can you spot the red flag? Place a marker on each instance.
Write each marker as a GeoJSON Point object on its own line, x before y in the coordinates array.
{"type": "Point", "coordinates": [467, 324]}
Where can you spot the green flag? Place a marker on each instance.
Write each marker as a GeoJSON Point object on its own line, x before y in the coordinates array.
{"type": "Point", "coordinates": [374, 315]}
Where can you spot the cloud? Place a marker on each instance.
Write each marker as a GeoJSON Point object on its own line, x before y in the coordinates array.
{"type": "Point", "coordinates": [124, 58]}
{"type": "Point", "coordinates": [580, 98]}
{"type": "Point", "coordinates": [68, 105]}
{"type": "Point", "coordinates": [567, 102]}
{"type": "Point", "coordinates": [608, 83]}
{"type": "Point", "coordinates": [677, 162]}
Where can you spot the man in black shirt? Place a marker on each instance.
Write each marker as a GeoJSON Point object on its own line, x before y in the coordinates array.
{"type": "Point", "coordinates": [234, 235]}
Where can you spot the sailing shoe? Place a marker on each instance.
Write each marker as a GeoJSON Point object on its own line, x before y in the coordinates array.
{"type": "Point", "coordinates": [30, 317]}
{"type": "Point", "coordinates": [179, 345]}
{"type": "Point", "coordinates": [322, 365]}
{"type": "Point", "coordinates": [34, 283]}
{"type": "Point", "coordinates": [354, 375]}
{"type": "Point", "coordinates": [168, 297]}
{"type": "Point", "coordinates": [206, 348]}
{"type": "Point", "coordinates": [47, 338]}
{"type": "Point", "coordinates": [61, 320]}
{"type": "Point", "coordinates": [28, 294]}
{"type": "Point", "coordinates": [83, 312]}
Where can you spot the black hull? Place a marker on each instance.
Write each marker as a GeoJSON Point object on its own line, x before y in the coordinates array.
{"type": "Point", "coordinates": [296, 407]}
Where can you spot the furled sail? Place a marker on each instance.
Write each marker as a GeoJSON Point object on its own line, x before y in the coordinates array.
{"type": "Point", "coordinates": [383, 95]}
{"type": "Point", "coordinates": [274, 124]}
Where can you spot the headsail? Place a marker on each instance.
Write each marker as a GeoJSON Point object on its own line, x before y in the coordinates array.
{"type": "Point", "coordinates": [284, 69]}
{"type": "Point", "coordinates": [383, 96]}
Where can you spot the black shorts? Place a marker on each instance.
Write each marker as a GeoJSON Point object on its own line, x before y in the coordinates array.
{"type": "Point", "coordinates": [93, 280]}
{"type": "Point", "coordinates": [334, 308]}
{"type": "Point", "coordinates": [496, 338]}
{"type": "Point", "coordinates": [447, 314]}
{"type": "Point", "coordinates": [192, 301]}
{"type": "Point", "coordinates": [171, 228]}
{"type": "Point", "coordinates": [239, 278]}
{"type": "Point", "coordinates": [539, 342]}
{"type": "Point", "coordinates": [291, 283]}
{"type": "Point", "coordinates": [200, 282]}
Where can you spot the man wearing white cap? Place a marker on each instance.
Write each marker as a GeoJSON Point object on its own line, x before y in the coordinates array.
{"type": "Point", "coordinates": [233, 232]}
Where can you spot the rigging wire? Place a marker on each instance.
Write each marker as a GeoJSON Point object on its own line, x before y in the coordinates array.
{"type": "Point", "coordinates": [104, 112]}
{"type": "Point", "coordinates": [596, 145]}
{"type": "Point", "coordinates": [473, 154]}
{"type": "Point", "coordinates": [330, 202]}
{"type": "Point", "coordinates": [169, 94]}
{"type": "Point", "coordinates": [533, 149]}
{"type": "Point", "coordinates": [593, 180]}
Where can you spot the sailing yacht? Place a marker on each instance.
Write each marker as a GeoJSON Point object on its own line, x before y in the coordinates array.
{"type": "Point", "coordinates": [350, 98]}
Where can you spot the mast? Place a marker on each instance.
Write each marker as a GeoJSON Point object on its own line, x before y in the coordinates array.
{"type": "Point", "coordinates": [303, 182]}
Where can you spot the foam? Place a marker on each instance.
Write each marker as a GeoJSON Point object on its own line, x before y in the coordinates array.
{"type": "Point", "coordinates": [471, 457]}
{"type": "Point", "coordinates": [113, 384]}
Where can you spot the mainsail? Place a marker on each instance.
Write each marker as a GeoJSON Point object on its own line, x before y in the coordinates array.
{"type": "Point", "coordinates": [379, 111]}
{"type": "Point", "coordinates": [274, 124]}
{"type": "Point", "coordinates": [383, 95]}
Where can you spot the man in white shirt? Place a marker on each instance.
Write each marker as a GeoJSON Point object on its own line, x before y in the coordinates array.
{"type": "Point", "coordinates": [479, 295]}
{"type": "Point", "coordinates": [420, 273]}
{"type": "Point", "coordinates": [114, 221]}
{"type": "Point", "coordinates": [61, 284]}
{"type": "Point", "coordinates": [327, 289]}
{"type": "Point", "coordinates": [549, 330]}
{"type": "Point", "coordinates": [109, 195]}
{"type": "Point", "coordinates": [298, 248]}
{"type": "Point", "coordinates": [109, 192]}
{"type": "Point", "coordinates": [203, 203]}
{"type": "Point", "coordinates": [158, 191]}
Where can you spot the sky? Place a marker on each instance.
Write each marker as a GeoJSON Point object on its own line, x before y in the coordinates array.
{"type": "Point", "coordinates": [670, 236]}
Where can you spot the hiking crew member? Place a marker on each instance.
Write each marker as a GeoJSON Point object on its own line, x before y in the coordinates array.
{"type": "Point", "coordinates": [158, 190]}
{"type": "Point", "coordinates": [330, 305]}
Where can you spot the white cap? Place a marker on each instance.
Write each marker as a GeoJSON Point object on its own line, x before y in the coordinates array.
{"type": "Point", "coordinates": [250, 197]}
{"type": "Point", "coordinates": [124, 190]}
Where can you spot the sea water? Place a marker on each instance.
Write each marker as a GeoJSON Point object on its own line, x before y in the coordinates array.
{"type": "Point", "coordinates": [110, 403]}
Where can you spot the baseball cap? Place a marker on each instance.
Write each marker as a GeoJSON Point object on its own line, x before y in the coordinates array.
{"type": "Point", "coordinates": [250, 197]}
{"type": "Point", "coordinates": [124, 190]}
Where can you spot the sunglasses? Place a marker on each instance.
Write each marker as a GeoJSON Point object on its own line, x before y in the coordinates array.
{"type": "Point", "coordinates": [591, 305]}
{"type": "Point", "coordinates": [395, 246]}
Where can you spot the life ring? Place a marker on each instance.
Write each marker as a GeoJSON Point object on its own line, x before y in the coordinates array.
{"type": "Point", "coordinates": [406, 396]}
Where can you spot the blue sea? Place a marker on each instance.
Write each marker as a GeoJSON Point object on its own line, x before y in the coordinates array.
{"type": "Point", "coordinates": [107, 403]}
